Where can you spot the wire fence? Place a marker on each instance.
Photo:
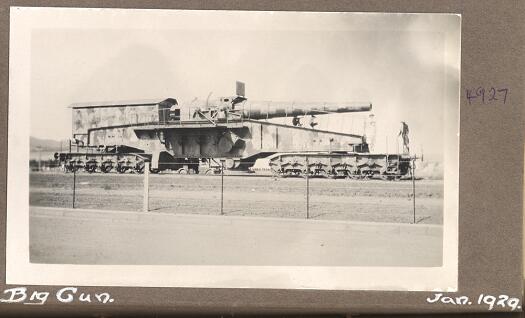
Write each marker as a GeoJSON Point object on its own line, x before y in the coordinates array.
{"type": "Point", "coordinates": [251, 195]}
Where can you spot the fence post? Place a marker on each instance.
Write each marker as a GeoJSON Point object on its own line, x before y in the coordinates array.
{"type": "Point", "coordinates": [145, 204]}
{"type": "Point", "coordinates": [222, 187]}
{"type": "Point", "coordinates": [414, 188]}
{"type": "Point", "coordinates": [307, 190]}
{"type": "Point", "coordinates": [39, 159]}
{"type": "Point", "coordinates": [74, 184]}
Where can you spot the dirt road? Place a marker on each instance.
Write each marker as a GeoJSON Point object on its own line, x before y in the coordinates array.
{"type": "Point", "coordinates": [354, 200]}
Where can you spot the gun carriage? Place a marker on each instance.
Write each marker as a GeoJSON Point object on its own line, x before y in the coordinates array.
{"type": "Point", "coordinates": [204, 136]}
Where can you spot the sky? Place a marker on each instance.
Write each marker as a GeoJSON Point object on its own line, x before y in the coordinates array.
{"type": "Point", "coordinates": [406, 65]}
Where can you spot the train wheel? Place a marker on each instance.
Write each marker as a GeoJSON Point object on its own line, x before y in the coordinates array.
{"type": "Point", "coordinates": [182, 171]}
{"type": "Point", "coordinates": [106, 166]}
{"type": "Point", "coordinates": [77, 165]}
{"type": "Point", "coordinates": [91, 167]}
{"type": "Point", "coordinates": [72, 168]}
{"type": "Point", "coordinates": [121, 168]}
{"type": "Point", "coordinates": [352, 176]}
{"type": "Point", "coordinates": [280, 173]}
{"type": "Point", "coordinates": [365, 175]}
{"type": "Point", "coordinates": [292, 173]}
{"type": "Point", "coordinates": [139, 167]}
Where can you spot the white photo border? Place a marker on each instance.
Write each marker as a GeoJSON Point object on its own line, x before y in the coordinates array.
{"type": "Point", "coordinates": [19, 270]}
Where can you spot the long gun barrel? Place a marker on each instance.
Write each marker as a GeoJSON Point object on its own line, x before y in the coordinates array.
{"type": "Point", "coordinates": [264, 110]}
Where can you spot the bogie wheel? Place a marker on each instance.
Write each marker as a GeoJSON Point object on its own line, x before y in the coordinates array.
{"type": "Point", "coordinates": [106, 167]}
{"type": "Point", "coordinates": [70, 167]}
{"type": "Point", "coordinates": [322, 173]}
{"type": "Point", "coordinates": [365, 175]}
{"type": "Point", "coordinates": [91, 167]}
{"type": "Point", "coordinates": [182, 171]}
{"type": "Point", "coordinates": [139, 167]}
{"type": "Point", "coordinates": [121, 169]}
{"type": "Point", "coordinates": [351, 176]}
{"type": "Point", "coordinates": [278, 173]}
{"type": "Point", "coordinates": [73, 168]}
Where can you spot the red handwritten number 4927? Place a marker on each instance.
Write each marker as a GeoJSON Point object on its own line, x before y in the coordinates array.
{"type": "Point", "coordinates": [487, 96]}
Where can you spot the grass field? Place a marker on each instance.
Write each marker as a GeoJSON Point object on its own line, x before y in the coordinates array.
{"type": "Point", "coordinates": [352, 200]}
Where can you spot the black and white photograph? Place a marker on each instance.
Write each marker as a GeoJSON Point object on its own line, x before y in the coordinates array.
{"type": "Point", "coordinates": [233, 149]}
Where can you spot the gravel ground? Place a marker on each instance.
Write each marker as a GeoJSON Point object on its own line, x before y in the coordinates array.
{"type": "Point", "coordinates": [354, 200]}
{"type": "Point", "coordinates": [77, 236]}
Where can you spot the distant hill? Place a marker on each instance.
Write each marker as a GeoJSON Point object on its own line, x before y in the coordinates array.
{"type": "Point", "coordinates": [46, 145]}
{"type": "Point", "coordinates": [429, 169]}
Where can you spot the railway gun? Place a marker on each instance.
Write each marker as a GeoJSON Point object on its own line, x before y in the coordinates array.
{"type": "Point", "coordinates": [203, 136]}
